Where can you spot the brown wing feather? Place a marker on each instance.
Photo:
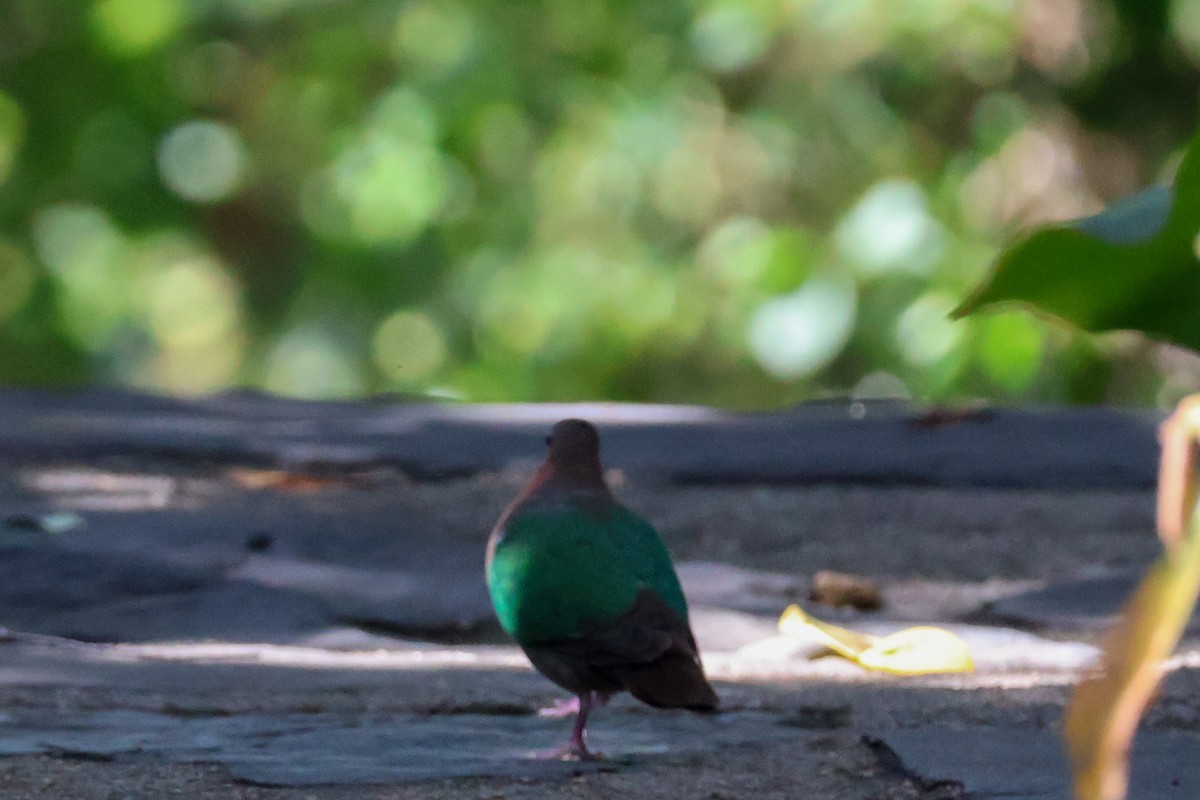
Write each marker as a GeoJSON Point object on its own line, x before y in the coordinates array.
{"type": "Point", "coordinates": [675, 678]}
{"type": "Point", "coordinates": [649, 651]}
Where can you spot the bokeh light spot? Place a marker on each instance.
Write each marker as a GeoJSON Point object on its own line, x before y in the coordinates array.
{"type": "Point", "coordinates": [191, 302]}
{"type": "Point", "coordinates": [191, 309]}
{"type": "Point", "coordinates": [745, 253]}
{"type": "Point", "coordinates": [1185, 23]}
{"type": "Point", "coordinates": [511, 317]}
{"type": "Point", "coordinates": [133, 27]}
{"type": "Point", "coordinates": [406, 115]}
{"type": "Point", "coordinates": [890, 228]}
{"type": "Point", "coordinates": [795, 335]}
{"type": "Point", "coordinates": [202, 161]}
{"type": "Point", "coordinates": [1012, 343]}
{"type": "Point", "coordinates": [438, 35]}
{"type": "Point", "coordinates": [88, 258]}
{"type": "Point", "coordinates": [71, 239]}
{"type": "Point", "coordinates": [925, 334]}
{"type": "Point", "coordinates": [727, 36]}
{"type": "Point", "coordinates": [408, 347]}
{"type": "Point", "coordinates": [727, 246]}
{"type": "Point", "coordinates": [391, 188]}
{"type": "Point", "coordinates": [387, 184]}
{"type": "Point", "coordinates": [309, 363]}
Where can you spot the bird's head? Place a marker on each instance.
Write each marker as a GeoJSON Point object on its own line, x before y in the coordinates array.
{"type": "Point", "coordinates": [573, 443]}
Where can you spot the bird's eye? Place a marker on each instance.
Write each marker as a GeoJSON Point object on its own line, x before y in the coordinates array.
{"type": "Point", "coordinates": [547, 441]}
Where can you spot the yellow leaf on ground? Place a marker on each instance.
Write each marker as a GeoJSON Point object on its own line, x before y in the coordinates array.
{"type": "Point", "coordinates": [918, 651]}
{"type": "Point", "coordinates": [914, 651]}
{"type": "Point", "coordinates": [847, 643]}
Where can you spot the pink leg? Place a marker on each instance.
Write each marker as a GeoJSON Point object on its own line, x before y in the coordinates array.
{"type": "Point", "coordinates": [561, 708]}
{"type": "Point", "coordinates": [577, 747]}
{"type": "Point", "coordinates": [578, 742]}
{"type": "Point", "coordinates": [565, 708]}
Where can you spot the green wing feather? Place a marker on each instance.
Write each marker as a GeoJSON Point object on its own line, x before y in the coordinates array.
{"type": "Point", "coordinates": [554, 571]}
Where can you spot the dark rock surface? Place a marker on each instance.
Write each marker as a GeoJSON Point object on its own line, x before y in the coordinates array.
{"type": "Point", "coordinates": [294, 590]}
{"type": "Point", "coordinates": [314, 749]}
{"type": "Point", "coordinates": [1008, 764]}
{"type": "Point", "coordinates": [835, 441]}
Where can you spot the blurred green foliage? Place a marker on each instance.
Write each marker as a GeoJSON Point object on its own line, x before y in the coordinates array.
{"type": "Point", "coordinates": [742, 203]}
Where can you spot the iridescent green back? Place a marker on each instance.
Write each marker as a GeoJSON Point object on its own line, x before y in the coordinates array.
{"type": "Point", "coordinates": [556, 568]}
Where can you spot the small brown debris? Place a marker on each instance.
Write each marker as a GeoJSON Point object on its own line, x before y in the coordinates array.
{"type": "Point", "coordinates": [840, 589]}
{"type": "Point", "coordinates": [942, 416]}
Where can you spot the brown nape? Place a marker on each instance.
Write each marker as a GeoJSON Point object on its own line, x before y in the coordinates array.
{"type": "Point", "coordinates": [573, 443]}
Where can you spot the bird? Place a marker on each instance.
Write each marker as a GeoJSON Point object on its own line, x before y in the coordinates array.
{"type": "Point", "coordinates": [586, 587]}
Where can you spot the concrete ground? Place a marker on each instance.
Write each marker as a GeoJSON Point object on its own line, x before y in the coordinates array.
{"type": "Point", "coordinates": [244, 597]}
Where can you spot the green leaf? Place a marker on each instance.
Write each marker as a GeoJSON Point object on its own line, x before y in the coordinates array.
{"type": "Point", "coordinates": [1132, 267]}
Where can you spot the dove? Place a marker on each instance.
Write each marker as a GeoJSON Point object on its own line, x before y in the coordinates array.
{"type": "Point", "coordinates": [587, 589]}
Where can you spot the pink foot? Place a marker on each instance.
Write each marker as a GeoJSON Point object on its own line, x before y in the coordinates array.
{"type": "Point", "coordinates": [576, 747]}
{"type": "Point", "coordinates": [568, 752]}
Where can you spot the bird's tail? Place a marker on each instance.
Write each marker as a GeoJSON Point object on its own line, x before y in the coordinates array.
{"type": "Point", "coordinates": [674, 680]}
